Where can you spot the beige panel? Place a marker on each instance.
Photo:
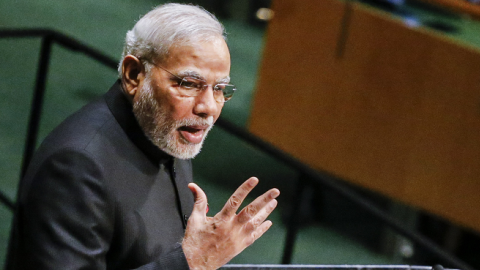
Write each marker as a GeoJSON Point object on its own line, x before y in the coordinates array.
{"type": "Point", "coordinates": [399, 113]}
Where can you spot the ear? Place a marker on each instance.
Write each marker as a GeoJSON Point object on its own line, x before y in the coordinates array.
{"type": "Point", "coordinates": [133, 74]}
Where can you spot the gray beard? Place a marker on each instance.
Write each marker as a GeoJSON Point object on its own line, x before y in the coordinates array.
{"type": "Point", "coordinates": [161, 129]}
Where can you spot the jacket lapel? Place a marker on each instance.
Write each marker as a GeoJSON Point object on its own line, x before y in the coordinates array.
{"type": "Point", "coordinates": [182, 174]}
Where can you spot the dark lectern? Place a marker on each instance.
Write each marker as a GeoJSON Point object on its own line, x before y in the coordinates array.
{"type": "Point", "coordinates": [328, 267]}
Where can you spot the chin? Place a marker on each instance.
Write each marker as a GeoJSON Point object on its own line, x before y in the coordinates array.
{"type": "Point", "coordinates": [182, 149]}
{"type": "Point", "coordinates": [185, 152]}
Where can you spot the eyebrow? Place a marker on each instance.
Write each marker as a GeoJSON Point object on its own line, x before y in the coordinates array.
{"type": "Point", "coordinates": [196, 75]}
{"type": "Point", "coordinates": [191, 73]}
{"type": "Point", "coordinates": [225, 79]}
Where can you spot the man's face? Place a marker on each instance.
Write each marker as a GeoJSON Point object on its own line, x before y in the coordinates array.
{"type": "Point", "coordinates": [179, 124]}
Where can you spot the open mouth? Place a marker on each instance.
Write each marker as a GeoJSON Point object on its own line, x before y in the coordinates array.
{"type": "Point", "coordinates": [193, 134]}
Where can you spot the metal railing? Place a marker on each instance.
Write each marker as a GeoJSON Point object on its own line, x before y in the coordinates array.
{"type": "Point", "coordinates": [309, 176]}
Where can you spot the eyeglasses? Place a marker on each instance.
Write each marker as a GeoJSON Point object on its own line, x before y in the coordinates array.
{"type": "Point", "coordinates": [189, 86]}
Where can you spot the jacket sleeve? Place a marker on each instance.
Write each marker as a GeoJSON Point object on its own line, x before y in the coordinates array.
{"type": "Point", "coordinates": [173, 260]}
{"type": "Point", "coordinates": [65, 218]}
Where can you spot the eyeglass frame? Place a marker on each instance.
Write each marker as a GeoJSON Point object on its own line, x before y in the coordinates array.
{"type": "Point", "coordinates": [205, 85]}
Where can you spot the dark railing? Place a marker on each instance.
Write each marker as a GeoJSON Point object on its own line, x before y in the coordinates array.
{"type": "Point", "coordinates": [308, 175]}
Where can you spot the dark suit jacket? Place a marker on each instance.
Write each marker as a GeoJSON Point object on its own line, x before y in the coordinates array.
{"type": "Point", "coordinates": [99, 195]}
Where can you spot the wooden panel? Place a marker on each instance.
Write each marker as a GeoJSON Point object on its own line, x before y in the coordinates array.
{"type": "Point", "coordinates": [399, 113]}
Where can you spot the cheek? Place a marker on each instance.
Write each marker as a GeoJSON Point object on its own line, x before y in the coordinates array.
{"type": "Point", "coordinates": [219, 109]}
{"type": "Point", "coordinates": [180, 109]}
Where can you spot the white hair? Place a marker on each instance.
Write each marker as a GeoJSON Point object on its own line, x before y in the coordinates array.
{"type": "Point", "coordinates": [169, 25]}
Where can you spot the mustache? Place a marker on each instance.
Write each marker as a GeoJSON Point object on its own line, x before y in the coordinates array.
{"type": "Point", "coordinates": [197, 121]}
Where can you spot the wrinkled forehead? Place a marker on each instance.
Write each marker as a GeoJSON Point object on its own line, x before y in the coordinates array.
{"type": "Point", "coordinates": [191, 41]}
{"type": "Point", "coordinates": [199, 57]}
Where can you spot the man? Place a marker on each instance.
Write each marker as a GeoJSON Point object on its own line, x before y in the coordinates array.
{"type": "Point", "coordinates": [110, 188]}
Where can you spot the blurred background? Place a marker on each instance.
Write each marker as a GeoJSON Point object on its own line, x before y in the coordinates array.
{"type": "Point", "coordinates": [380, 97]}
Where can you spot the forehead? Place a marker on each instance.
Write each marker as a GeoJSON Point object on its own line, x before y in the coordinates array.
{"type": "Point", "coordinates": [204, 57]}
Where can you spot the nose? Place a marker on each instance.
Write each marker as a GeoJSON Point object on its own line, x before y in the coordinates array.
{"type": "Point", "coordinates": [205, 104]}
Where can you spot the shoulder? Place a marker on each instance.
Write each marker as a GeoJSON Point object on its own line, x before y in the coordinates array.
{"type": "Point", "coordinates": [78, 129]}
{"type": "Point", "coordinates": [65, 169]}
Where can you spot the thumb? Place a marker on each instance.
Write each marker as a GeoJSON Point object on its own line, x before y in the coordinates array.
{"type": "Point", "coordinates": [200, 198]}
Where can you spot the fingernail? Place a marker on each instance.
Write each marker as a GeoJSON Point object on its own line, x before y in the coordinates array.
{"type": "Point", "coordinates": [273, 203]}
{"type": "Point", "coordinates": [274, 193]}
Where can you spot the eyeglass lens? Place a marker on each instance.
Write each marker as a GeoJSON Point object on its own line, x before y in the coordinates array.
{"type": "Point", "coordinates": [191, 87]}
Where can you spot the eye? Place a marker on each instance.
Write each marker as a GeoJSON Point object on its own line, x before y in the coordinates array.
{"type": "Point", "coordinates": [219, 87]}
{"type": "Point", "coordinates": [191, 83]}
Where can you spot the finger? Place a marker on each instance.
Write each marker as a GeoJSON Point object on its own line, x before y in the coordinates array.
{"type": "Point", "coordinates": [258, 219]}
{"type": "Point", "coordinates": [200, 205]}
{"type": "Point", "coordinates": [257, 205]}
{"type": "Point", "coordinates": [237, 197]}
{"type": "Point", "coordinates": [259, 232]}
{"type": "Point", "coordinates": [264, 213]}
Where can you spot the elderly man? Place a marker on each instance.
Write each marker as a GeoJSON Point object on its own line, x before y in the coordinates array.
{"type": "Point", "coordinates": [110, 188]}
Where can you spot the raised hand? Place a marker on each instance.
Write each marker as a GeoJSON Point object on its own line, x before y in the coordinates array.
{"type": "Point", "coordinates": [211, 242]}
